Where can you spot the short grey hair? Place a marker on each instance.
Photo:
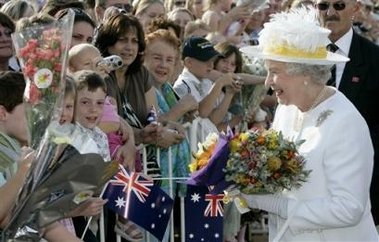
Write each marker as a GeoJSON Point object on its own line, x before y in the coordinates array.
{"type": "Point", "coordinates": [318, 73]}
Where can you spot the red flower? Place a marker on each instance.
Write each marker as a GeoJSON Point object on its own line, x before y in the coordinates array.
{"type": "Point", "coordinates": [34, 94]}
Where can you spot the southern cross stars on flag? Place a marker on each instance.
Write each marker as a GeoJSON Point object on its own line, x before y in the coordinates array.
{"type": "Point", "coordinates": [207, 210]}
{"type": "Point", "coordinates": [135, 197]}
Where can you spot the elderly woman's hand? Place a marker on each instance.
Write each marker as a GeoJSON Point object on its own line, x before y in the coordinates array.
{"type": "Point", "coordinates": [170, 137]}
{"type": "Point", "coordinates": [272, 203]}
{"type": "Point", "coordinates": [174, 126]}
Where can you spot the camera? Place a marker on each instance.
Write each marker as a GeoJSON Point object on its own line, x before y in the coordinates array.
{"type": "Point", "coordinates": [112, 62]}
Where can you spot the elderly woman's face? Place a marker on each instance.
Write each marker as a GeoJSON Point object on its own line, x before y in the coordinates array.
{"type": "Point", "coordinates": [160, 60]}
{"type": "Point", "coordinates": [287, 88]}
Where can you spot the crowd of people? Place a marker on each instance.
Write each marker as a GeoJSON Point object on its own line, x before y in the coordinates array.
{"type": "Point", "coordinates": [183, 59]}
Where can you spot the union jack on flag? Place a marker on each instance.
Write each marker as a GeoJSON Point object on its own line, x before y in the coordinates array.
{"type": "Point", "coordinates": [208, 212]}
{"type": "Point", "coordinates": [130, 183]}
{"type": "Point", "coordinates": [134, 196]}
{"type": "Point", "coordinates": [214, 207]}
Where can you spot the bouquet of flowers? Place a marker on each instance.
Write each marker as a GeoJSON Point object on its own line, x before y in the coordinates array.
{"type": "Point", "coordinates": [67, 168]}
{"type": "Point", "coordinates": [210, 160]}
{"type": "Point", "coordinates": [42, 52]}
{"type": "Point", "coordinates": [204, 152]}
{"type": "Point", "coordinates": [265, 162]}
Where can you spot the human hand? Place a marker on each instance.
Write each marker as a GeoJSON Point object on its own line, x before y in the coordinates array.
{"type": "Point", "coordinates": [189, 103]}
{"type": "Point", "coordinates": [226, 80]}
{"type": "Point", "coordinates": [176, 127]}
{"type": "Point", "coordinates": [239, 12]}
{"type": "Point", "coordinates": [150, 133]}
{"type": "Point", "coordinates": [236, 87]}
{"type": "Point", "coordinates": [124, 130]}
{"type": "Point", "coordinates": [273, 203]}
{"type": "Point", "coordinates": [127, 153]}
{"type": "Point", "coordinates": [90, 207]}
{"type": "Point", "coordinates": [190, 116]}
{"type": "Point", "coordinates": [170, 137]}
{"type": "Point", "coordinates": [26, 159]}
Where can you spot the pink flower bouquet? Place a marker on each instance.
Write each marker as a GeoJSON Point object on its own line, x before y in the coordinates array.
{"type": "Point", "coordinates": [42, 52]}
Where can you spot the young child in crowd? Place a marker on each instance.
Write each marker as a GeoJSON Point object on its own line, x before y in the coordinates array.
{"type": "Point", "coordinates": [91, 92]}
{"type": "Point", "coordinates": [198, 56]}
{"type": "Point", "coordinates": [13, 133]}
{"type": "Point", "coordinates": [92, 206]}
{"type": "Point", "coordinates": [88, 57]}
{"type": "Point", "coordinates": [91, 97]}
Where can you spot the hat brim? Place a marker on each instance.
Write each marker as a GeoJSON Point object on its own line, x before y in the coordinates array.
{"type": "Point", "coordinates": [331, 58]}
{"type": "Point", "coordinates": [207, 55]}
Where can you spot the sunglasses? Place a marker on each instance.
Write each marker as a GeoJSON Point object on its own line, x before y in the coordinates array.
{"type": "Point", "coordinates": [338, 6]}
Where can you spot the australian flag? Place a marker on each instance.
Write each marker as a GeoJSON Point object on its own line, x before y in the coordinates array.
{"type": "Point", "coordinates": [135, 197]}
{"type": "Point", "coordinates": [204, 214]}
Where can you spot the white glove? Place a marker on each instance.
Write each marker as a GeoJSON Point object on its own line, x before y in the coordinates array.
{"type": "Point", "coordinates": [272, 203]}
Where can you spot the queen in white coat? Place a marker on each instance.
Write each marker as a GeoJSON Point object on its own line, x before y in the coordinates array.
{"type": "Point", "coordinates": [334, 204]}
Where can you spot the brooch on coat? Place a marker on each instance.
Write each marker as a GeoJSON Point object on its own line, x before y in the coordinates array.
{"type": "Point", "coordinates": [322, 117]}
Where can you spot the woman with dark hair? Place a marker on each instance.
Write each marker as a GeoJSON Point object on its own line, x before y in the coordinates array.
{"type": "Point", "coordinates": [123, 35]}
{"type": "Point", "coordinates": [131, 85]}
{"type": "Point", "coordinates": [84, 26]}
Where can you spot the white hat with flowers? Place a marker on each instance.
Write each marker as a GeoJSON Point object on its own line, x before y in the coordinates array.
{"type": "Point", "coordinates": [294, 36]}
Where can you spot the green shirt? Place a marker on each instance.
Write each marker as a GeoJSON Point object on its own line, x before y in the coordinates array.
{"type": "Point", "coordinates": [9, 154]}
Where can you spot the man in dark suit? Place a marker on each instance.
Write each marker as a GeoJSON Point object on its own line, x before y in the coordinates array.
{"type": "Point", "coordinates": [358, 79]}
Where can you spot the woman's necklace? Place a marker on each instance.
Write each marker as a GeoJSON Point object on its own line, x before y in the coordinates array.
{"type": "Point", "coordinates": [299, 120]}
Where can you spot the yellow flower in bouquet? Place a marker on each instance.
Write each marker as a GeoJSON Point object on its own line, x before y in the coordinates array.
{"type": "Point", "coordinates": [204, 153]}
{"type": "Point", "coordinates": [264, 162]}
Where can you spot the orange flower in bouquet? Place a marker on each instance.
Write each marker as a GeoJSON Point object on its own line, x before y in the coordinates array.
{"type": "Point", "coordinates": [207, 169]}
{"type": "Point", "coordinates": [204, 153]}
{"type": "Point", "coordinates": [265, 162]}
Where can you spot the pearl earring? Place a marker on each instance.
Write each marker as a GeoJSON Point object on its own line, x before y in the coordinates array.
{"type": "Point", "coordinates": [305, 83]}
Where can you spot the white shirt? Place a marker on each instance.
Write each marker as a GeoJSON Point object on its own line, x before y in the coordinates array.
{"type": "Point", "coordinates": [187, 83]}
{"type": "Point", "coordinates": [343, 49]}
